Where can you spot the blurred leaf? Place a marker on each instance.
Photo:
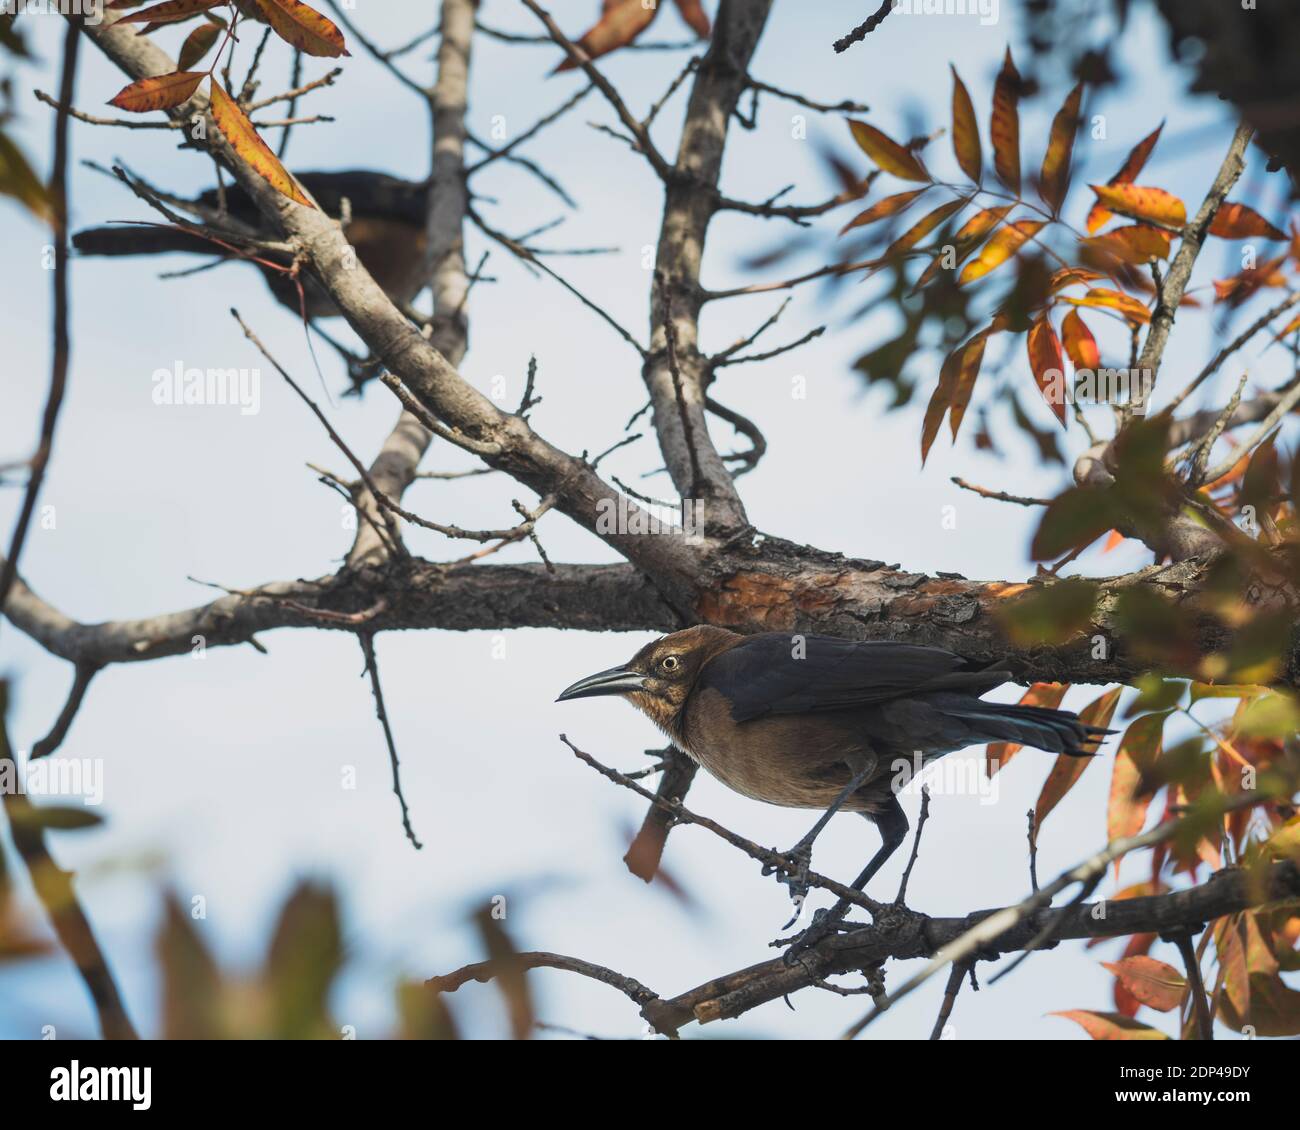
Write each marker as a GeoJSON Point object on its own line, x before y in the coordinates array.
{"type": "Point", "coordinates": [1155, 693]}
{"type": "Point", "coordinates": [305, 956]}
{"type": "Point", "coordinates": [509, 974]}
{"type": "Point", "coordinates": [1000, 248]}
{"type": "Point", "coordinates": [1048, 365]}
{"type": "Point", "coordinates": [54, 818]}
{"type": "Point", "coordinates": [19, 181]}
{"type": "Point", "coordinates": [1273, 715]}
{"type": "Point", "coordinates": [1050, 613]}
{"type": "Point", "coordinates": [1076, 518]}
{"type": "Point", "coordinates": [424, 1014]}
{"type": "Point", "coordinates": [1139, 749]}
{"type": "Point", "coordinates": [191, 983]}
{"type": "Point", "coordinates": [1110, 1025]}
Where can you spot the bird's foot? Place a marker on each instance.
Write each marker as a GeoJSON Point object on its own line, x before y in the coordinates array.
{"type": "Point", "coordinates": [796, 878]}
{"type": "Point", "coordinates": [824, 924]}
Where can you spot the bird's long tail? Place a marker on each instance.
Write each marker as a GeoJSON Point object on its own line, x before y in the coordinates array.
{"type": "Point", "coordinates": [141, 239]}
{"type": "Point", "coordinates": [1056, 731]}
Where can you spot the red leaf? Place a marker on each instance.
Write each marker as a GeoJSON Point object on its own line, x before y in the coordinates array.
{"type": "Point", "coordinates": [1048, 365]}
{"type": "Point", "coordinates": [304, 27]}
{"type": "Point", "coordinates": [1236, 221]}
{"type": "Point", "coordinates": [1068, 770]}
{"type": "Point", "coordinates": [693, 13]}
{"type": "Point", "coordinates": [1080, 345]}
{"type": "Point", "coordinates": [1111, 1025]}
{"type": "Point", "coordinates": [1154, 983]}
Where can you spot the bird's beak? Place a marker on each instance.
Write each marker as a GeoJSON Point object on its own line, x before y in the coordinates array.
{"type": "Point", "coordinates": [617, 680]}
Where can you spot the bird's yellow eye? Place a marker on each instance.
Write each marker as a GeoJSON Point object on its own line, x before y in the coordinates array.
{"type": "Point", "coordinates": [670, 663]}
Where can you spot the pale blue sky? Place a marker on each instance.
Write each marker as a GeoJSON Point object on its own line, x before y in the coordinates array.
{"type": "Point", "coordinates": [227, 772]}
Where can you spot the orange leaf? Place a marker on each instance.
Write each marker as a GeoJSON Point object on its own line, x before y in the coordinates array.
{"type": "Point", "coordinates": [889, 206]}
{"type": "Point", "coordinates": [1048, 365]}
{"type": "Point", "coordinates": [968, 371]}
{"type": "Point", "coordinates": [1240, 287]}
{"type": "Point", "coordinates": [887, 153]}
{"type": "Point", "coordinates": [1133, 164]}
{"type": "Point", "coordinates": [198, 43]}
{"type": "Point", "coordinates": [1236, 221]}
{"type": "Point", "coordinates": [980, 224]}
{"type": "Point", "coordinates": [1138, 751]}
{"type": "Point", "coordinates": [173, 11]}
{"type": "Point", "coordinates": [922, 228]}
{"type": "Point", "coordinates": [1055, 177]}
{"type": "Point", "coordinates": [693, 13]}
{"type": "Point", "coordinates": [1040, 694]}
{"type": "Point", "coordinates": [940, 399]}
{"type": "Point", "coordinates": [1080, 345]}
{"type": "Point", "coordinates": [621, 21]}
{"type": "Point", "coordinates": [304, 27]}
{"type": "Point", "coordinates": [1102, 296]}
{"type": "Point", "coordinates": [1072, 276]}
{"type": "Point", "coordinates": [1154, 983]}
{"type": "Point", "coordinates": [1004, 244]}
{"type": "Point", "coordinates": [1111, 1025]}
{"type": "Point", "coordinates": [965, 131]}
{"type": "Point", "coordinates": [1113, 541]}
{"type": "Point", "coordinates": [244, 140]}
{"type": "Point", "coordinates": [1005, 126]}
{"type": "Point", "coordinates": [161, 92]}
{"type": "Point", "coordinates": [1067, 769]}
{"type": "Point", "coordinates": [1138, 944]}
{"type": "Point", "coordinates": [1134, 243]}
{"type": "Point", "coordinates": [1289, 328]}
{"type": "Point", "coordinates": [1143, 203]}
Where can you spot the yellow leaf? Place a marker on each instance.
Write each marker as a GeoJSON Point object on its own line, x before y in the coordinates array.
{"type": "Point", "coordinates": [1004, 244]}
{"type": "Point", "coordinates": [1131, 308]}
{"type": "Point", "coordinates": [1154, 205]}
{"type": "Point", "coordinates": [887, 153]}
{"type": "Point", "coordinates": [922, 228]}
{"type": "Point", "coordinates": [244, 139]}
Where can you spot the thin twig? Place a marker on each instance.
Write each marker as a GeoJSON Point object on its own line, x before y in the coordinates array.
{"type": "Point", "coordinates": [372, 669]}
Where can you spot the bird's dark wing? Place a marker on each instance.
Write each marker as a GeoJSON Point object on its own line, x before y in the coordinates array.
{"type": "Point", "coordinates": [775, 673]}
{"type": "Point", "coordinates": [368, 192]}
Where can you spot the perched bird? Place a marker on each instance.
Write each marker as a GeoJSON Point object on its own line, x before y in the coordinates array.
{"type": "Point", "coordinates": [825, 723]}
{"type": "Point", "coordinates": [387, 228]}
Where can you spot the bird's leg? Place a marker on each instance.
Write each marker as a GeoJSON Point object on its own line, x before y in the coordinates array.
{"type": "Point", "coordinates": [801, 853]}
{"type": "Point", "coordinates": [892, 823]}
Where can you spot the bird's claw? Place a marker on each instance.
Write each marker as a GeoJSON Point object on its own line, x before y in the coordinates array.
{"type": "Point", "coordinates": [825, 922]}
{"type": "Point", "coordinates": [796, 878]}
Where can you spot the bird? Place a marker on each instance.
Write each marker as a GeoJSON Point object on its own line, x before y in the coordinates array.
{"type": "Point", "coordinates": [386, 227]}
{"type": "Point", "coordinates": [818, 722]}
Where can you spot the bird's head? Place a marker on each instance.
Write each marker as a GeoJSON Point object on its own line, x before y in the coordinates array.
{"type": "Point", "coordinates": [659, 677]}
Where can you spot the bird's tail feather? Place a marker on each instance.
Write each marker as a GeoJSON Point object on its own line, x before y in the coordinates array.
{"type": "Point", "coordinates": [141, 239]}
{"type": "Point", "coordinates": [1056, 731]}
